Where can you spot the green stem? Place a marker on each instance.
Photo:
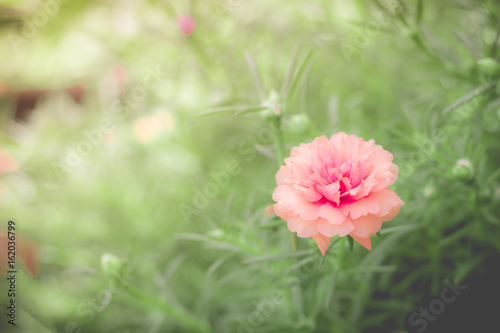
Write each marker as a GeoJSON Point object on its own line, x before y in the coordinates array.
{"type": "Point", "coordinates": [293, 240]}
{"type": "Point", "coordinates": [494, 46]}
{"type": "Point", "coordinates": [278, 140]}
{"type": "Point", "coordinates": [420, 43]}
{"type": "Point", "coordinates": [469, 96]}
{"type": "Point", "coordinates": [280, 155]}
{"type": "Point", "coordinates": [185, 318]}
{"type": "Point", "coordinates": [340, 253]}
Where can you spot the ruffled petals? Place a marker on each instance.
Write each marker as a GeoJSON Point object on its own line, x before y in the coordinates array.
{"type": "Point", "coordinates": [337, 187]}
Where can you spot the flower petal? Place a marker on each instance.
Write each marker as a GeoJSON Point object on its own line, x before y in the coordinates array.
{"type": "Point", "coordinates": [330, 191]}
{"type": "Point", "coordinates": [364, 241]}
{"type": "Point", "coordinates": [283, 192]}
{"type": "Point", "coordinates": [304, 208]}
{"type": "Point", "coordinates": [307, 228]}
{"type": "Point", "coordinates": [365, 187]}
{"type": "Point", "coordinates": [392, 214]}
{"type": "Point", "coordinates": [282, 211]}
{"type": "Point", "coordinates": [361, 207]}
{"type": "Point", "coordinates": [367, 225]}
{"type": "Point", "coordinates": [331, 230]}
{"type": "Point", "coordinates": [268, 211]}
{"type": "Point", "coordinates": [333, 214]}
{"type": "Point", "coordinates": [387, 200]}
{"type": "Point", "coordinates": [293, 224]}
{"type": "Point", "coordinates": [303, 228]}
{"type": "Point", "coordinates": [322, 242]}
{"type": "Point", "coordinates": [386, 176]}
{"type": "Point", "coordinates": [310, 194]}
{"type": "Point", "coordinates": [296, 205]}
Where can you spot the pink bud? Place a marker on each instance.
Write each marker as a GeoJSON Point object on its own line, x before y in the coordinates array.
{"type": "Point", "coordinates": [186, 24]}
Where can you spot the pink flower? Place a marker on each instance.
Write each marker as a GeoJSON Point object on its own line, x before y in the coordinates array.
{"type": "Point", "coordinates": [186, 24]}
{"type": "Point", "coordinates": [337, 187]}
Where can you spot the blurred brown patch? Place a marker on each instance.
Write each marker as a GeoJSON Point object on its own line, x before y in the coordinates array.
{"type": "Point", "coordinates": [25, 100]}
{"type": "Point", "coordinates": [26, 253]}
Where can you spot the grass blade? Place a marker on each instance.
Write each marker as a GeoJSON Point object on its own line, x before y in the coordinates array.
{"type": "Point", "coordinates": [235, 109]}
{"type": "Point", "coordinates": [272, 257]}
{"type": "Point", "coordinates": [251, 109]}
{"type": "Point", "coordinates": [255, 75]}
{"type": "Point", "coordinates": [289, 73]}
{"type": "Point", "coordinates": [299, 74]}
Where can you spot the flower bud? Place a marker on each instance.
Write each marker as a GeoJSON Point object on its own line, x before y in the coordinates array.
{"type": "Point", "coordinates": [273, 103]}
{"type": "Point", "coordinates": [429, 191]}
{"type": "Point", "coordinates": [487, 66]}
{"type": "Point", "coordinates": [462, 170]}
{"type": "Point", "coordinates": [111, 265]}
{"type": "Point", "coordinates": [299, 123]}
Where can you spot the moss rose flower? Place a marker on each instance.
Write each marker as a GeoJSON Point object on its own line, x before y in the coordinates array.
{"type": "Point", "coordinates": [337, 187]}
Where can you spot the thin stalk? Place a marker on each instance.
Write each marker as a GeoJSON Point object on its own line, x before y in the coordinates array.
{"type": "Point", "coordinates": [280, 153]}
{"type": "Point", "coordinates": [293, 240]}
{"type": "Point", "coordinates": [469, 96]}
{"type": "Point", "coordinates": [278, 140]}
{"type": "Point", "coordinates": [494, 46]}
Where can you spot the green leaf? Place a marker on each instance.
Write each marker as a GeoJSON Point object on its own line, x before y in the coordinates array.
{"type": "Point", "coordinates": [217, 264]}
{"type": "Point", "coordinates": [289, 72]}
{"type": "Point", "coordinates": [331, 289]}
{"type": "Point", "coordinates": [468, 97]}
{"type": "Point", "coordinates": [301, 263]}
{"type": "Point", "coordinates": [255, 75]}
{"type": "Point", "coordinates": [254, 109]}
{"type": "Point", "coordinates": [454, 237]}
{"type": "Point", "coordinates": [235, 110]}
{"type": "Point", "coordinates": [372, 269]}
{"type": "Point", "coordinates": [273, 257]}
{"type": "Point", "coordinates": [299, 74]}
{"type": "Point", "coordinates": [351, 242]}
{"type": "Point", "coordinates": [420, 9]}
{"type": "Point", "coordinates": [400, 15]}
{"type": "Point", "coordinates": [216, 111]}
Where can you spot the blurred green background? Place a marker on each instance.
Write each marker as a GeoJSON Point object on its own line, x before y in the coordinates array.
{"type": "Point", "coordinates": [146, 160]}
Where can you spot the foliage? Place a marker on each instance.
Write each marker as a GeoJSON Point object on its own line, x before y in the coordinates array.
{"type": "Point", "coordinates": [178, 222]}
